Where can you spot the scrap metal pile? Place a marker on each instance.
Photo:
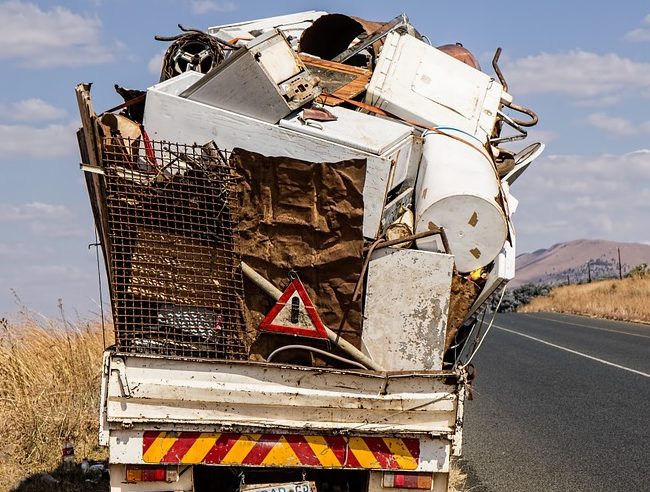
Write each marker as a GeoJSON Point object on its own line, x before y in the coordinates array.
{"type": "Point", "coordinates": [349, 160]}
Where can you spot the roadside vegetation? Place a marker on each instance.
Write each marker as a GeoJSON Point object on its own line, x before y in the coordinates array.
{"type": "Point", "coordinates": [457, 478]}
{"type": "Point", "coordinates": [625, 299]}
{"type": "Point", "coordinates": [49, 392]}
{"type": "Point", "coordinates": [516, 298]}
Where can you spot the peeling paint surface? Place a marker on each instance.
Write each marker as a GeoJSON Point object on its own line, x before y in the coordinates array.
{"type": "Point", "coordinates": [406, 309]}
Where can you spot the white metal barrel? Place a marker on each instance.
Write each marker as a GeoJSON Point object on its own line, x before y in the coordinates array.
{"type": "Point", "coordinates": [457, 189]}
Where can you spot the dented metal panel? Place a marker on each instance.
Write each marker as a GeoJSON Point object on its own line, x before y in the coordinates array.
{"type": "Point", "coordinates": [407, 301]}
{"type": "Point", "coordinates": [353, 129]}
{"type": "Point", "coordinates": [183, 394]}
{"type": "Point", "coordinates": [292, 25]}
{"type": "Point", "coordinates": [264, 80]}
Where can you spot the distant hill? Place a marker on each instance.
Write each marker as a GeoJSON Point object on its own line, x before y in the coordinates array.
{"type": "Point", "coordinates": [568, 261]}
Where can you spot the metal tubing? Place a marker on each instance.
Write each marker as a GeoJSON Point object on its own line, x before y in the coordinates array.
{"type": "Point", "coordinates": [272, 291]}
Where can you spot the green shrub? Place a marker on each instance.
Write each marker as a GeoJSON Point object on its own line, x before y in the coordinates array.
{"type": "Point", "coordinates": [513, 298]}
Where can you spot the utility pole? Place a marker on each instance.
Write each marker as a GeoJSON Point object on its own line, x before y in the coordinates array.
{"type": "Point", "coordinates": [589, 270]}
{"type": "Point", "coordinates": [620, 269]}
{"type": "Point", "coordinates": [568, 280]}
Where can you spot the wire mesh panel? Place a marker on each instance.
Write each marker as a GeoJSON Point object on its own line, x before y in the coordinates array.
{"type": "Point", "coordinates": [176, 280]}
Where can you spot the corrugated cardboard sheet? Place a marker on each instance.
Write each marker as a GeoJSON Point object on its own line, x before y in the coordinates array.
{"type": "Point", "coordinates": [307, 217]}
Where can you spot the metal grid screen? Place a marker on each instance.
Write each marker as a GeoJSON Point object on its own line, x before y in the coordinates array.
{"type": "Point", "coordinates": [176, 280]}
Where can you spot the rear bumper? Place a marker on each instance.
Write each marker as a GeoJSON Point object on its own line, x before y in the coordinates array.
{"type": "Point", "coordinates": [430, 454]}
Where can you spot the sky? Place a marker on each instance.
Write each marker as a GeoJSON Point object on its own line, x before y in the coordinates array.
{"type": "Point", "coordinates": [583, 66]}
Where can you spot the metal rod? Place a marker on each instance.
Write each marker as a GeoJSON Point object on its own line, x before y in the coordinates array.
{"type": "Point", "coordinates": [399, 21]}
{"type": "Point", "coordinates": [275, 293]}
{"type": "Point", "coordinates": [495, 65]}
{"type": "Point", "coordinates": [533, 117]}
{"type": "Point", "coordinates": [415, 237]}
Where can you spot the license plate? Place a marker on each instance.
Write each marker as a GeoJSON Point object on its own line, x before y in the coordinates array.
{"type": "Point", "coordinates": [281, 487]}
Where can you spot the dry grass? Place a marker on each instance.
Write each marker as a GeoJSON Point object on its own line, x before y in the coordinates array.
{"type": "Point", "coordinates": [457, 478]}
{"type": "Point", "coordinates": [49, 389]}
{"type": "Point", "coordinates": [625, 299]}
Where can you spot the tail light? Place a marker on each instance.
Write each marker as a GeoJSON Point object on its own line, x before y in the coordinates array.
{"type": "Point", "coordinates": [151, 474]}
{"type": "Point", "coordinates": [416, 481]}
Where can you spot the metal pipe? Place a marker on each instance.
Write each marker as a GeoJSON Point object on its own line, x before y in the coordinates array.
{"type": "Point", "coordinates": [515, 107]}
{"type": "Point", "coordinates": [270, 289]}
{"type": "Point", "coordinates": [533, 117]}
{"type": "Point", "coordinates": [495, 65]}
{"type": "Point", "coordinates": [275, 293]}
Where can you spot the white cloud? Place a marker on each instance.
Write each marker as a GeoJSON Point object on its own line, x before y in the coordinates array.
{"type": "Point", "coordinates": [618, 126]}
{"type": "Point", "coordinates": [43, 220]}
{"type": "Point", "coordinates": [37, 38]}
{"type": "Point", "coordinates": [31, 110]}
{"type": "Point", "coordinates": [602, 101]}
{"type": "Point", "coordinates": [66, 272]}
{"type": "Point", "coordinates": [612, 124]}
{"type": "Point", "coordinates": [577, 73]}
{"type": "Point", "coordinates": [33, 211]}
{"type": "Point", "coordinates": [155, 63]}
{"type": "Point", "coordinates": [58, 230]}
{"type": "Point", "coordinates": [640, 34]}
{"type": "Point", "coordinates": [205, 6]}
{"type": "Point", "coordinates": [14, 251]}
{"type": "Point", "coordinates": [54, 140]}
{"type": "Point", "coordinates": [565, 197]}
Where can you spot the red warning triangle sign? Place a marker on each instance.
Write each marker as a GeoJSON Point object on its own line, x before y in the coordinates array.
{"type": "Point", "coordinates": [295, 314]}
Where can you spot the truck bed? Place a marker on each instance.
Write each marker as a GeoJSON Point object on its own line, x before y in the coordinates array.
{"type": "Point", "coordinates": [166, 410]}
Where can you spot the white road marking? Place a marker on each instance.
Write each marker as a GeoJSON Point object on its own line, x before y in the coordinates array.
{"type": "Point", "coordinates": [645, 374]}
{"type": "Point", "coordinates": [588, 326]}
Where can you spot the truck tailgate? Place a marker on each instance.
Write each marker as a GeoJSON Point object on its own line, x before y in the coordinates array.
{"type": "Point", "coordinates": [154, 406]}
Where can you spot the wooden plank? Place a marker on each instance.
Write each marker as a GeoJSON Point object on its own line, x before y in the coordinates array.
{"type": "Point", "coordinates": [89, 124]}
{"type": "Point", "coordinates": [337, 79]}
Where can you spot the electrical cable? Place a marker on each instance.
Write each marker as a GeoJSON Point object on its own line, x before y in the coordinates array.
{"type": "Point", "coordinates": [319, 351]}
{"type": "Point", "coordinates": [478, 346]}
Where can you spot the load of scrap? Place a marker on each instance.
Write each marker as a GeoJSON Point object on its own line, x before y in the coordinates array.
{"type": "Point", "coordinates": [311, 189]}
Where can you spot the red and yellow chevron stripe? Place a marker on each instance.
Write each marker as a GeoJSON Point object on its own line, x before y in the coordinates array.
{"type": "Point", "coordinates": [191, 448]}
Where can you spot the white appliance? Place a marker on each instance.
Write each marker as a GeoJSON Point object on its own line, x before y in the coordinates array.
{"type": "Point", "coordinates": [458, 189]}
{"type": "Point", "coordinates": [420, 83]}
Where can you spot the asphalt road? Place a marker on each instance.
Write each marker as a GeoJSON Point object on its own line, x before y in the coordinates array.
{"type": "Point", "coordinates": [561, 403]}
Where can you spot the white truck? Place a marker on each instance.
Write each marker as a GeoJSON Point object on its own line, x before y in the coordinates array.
{"type": "Point", "coordinates": [345, 161]}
